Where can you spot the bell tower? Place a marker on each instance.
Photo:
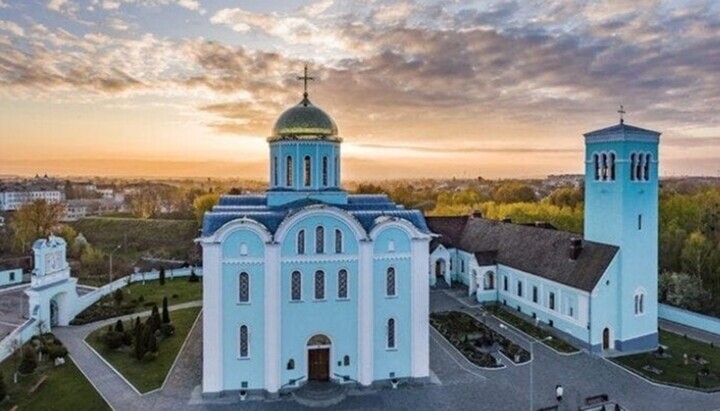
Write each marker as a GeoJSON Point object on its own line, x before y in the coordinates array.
{"type": "Point", "coordinates": [621, 208]}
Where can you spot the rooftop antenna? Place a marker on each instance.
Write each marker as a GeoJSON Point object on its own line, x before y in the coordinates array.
{"type": "Point", "coordinates": [621, 111]}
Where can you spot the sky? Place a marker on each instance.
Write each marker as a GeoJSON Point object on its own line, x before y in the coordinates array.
{"type": "Point", "coordinates": [418, 88]}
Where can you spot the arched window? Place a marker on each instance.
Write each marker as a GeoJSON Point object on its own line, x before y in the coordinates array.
{"type": "Point", "coordinates": [639, 167]}
{"type": "Point", "coordinates": [596, 166]}
{"type": "Point", "coordinates": [243, 249]}
{"type": "Point", "coordinates": [325, 171]}
{"type": "Point", "coordinates": [275, 171]}
{"type": "Point", "coordinates": [244, 287]}
{"type": "Point", "coordinates": [342, 284]}
{"type": "Point", "coordinates": [391, 333]}
{"type": "Point", "coordinates": [612, 166]}
{"type": "Point", "coordinates": [604, 167]}
{"type": "Point", "coordinates": [296, 286]}
{"type": "Point", "coordinates": [319, 239]}
{"type": "Point", "coordinates": [489, 280]}
{"type": "Point", "coordinates": [301, 242]}
{"type": "Point", "coordinates": [646, 169]}
{"type": "Point", "coordinates": [288, 171]}
{"type": "Point", "coordinates": [633, 160]}
{"type": "Point", "coordinates": [639, 303]}
{"type": "Point", "coordinates": [338, 241]}
{"type": "Point", "coordinates": [390, 289]}
{"type": "Point", "coordinates": [319, 285]}
{"type": "Point", "coordinates": [244, 345]}
{"type": "Point", "coordinates": [291, 364]}
{"type": "Point", "coordinates": [346, 360]}
{"type": "Point", "coordinates": [307, 176]}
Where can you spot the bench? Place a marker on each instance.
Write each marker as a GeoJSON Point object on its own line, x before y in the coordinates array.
{"type": "Point", "coordinates": [596, 399]}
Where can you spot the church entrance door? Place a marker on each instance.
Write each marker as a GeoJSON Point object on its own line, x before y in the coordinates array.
{"type": "Point", "coordinates": [606, 339]}
{"type": "Point", "coordinates": [319, 363]}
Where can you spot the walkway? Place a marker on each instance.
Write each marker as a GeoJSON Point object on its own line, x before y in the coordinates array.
{"type": "Point", "coordinates": [693, 333]}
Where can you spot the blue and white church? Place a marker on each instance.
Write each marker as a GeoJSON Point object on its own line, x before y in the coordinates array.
{"type": "Point", "coordinates": [600, 291]}
{"type": "Point", "coordinates": [308, 283]}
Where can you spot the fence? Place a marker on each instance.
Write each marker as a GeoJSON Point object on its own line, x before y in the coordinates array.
{"type": "Point", "coordinates": [689, 318]}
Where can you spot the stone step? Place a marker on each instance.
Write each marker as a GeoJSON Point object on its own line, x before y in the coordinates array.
{"type": "Point", "coordinates": [320, 395]}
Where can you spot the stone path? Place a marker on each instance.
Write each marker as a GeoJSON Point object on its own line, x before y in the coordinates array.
{"type": "Point", "coordinates": [459, 385]}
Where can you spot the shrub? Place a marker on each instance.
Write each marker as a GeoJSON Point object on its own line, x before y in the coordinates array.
{"type": "Point", "coordinates": [113, 340]}
{"type": "Point", "coordinates": [119, 326]}
{"type": "Point", "coordinates": [193, 277]}
{"type": "Point", "coordinates": [3, 392]}
{"type": "Point", "coordinates": [58, 351]}
{"type": "Point", "coordinates": [141, 299]}
{"type": "Point", "coordinates": [29, 360]}
{"type": "Point", "coordinates": [118, 296]}
{"type": "Point", "coordinates": [153, 344]}
{"type": "Point", "coordinates": [167, 329]}
{"type": "Point", "coordinates": [165, 312]}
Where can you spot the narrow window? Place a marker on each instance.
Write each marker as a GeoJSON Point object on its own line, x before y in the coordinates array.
{"type": "Point", "coordinates": [338, 241]}
{"type": "Point", "coordinates": [637, 300]}
{"type": "Point", "coordinates": [391, 246]}
{"type": "Point", "coordinates": [308, 170]}
{"type": "Point", "coordinates": [612, 166]}
{"type": "Point", "coordinates": [489, 281]}
{"type": "Point", "coordinates": [535, 294]}
{"type": "Point", "coordinates": [342, 284]}
{"type": "Point", "coordinates": [325, 171]}
{"type": "Point", "coordinates": [12, 275]}
{"type": "Point", "coordinates": [319, 285]}
{"type": "Point", "coordinates": [390, 282]}
{"type": "Point", "coordinates": [244, 287]}
{"type": "Point", "coordinates": [288, 171]}
{"type": "Point", "coordinates": [639, 221]}
{"type": "Point", "coordinates": [291, 364]}
{"type": "Point", "coordinates": [346, 360]}
{"type": "Point", "coordinates": [244, 343]}
{"type": "Point", "coordinates": [571, 312]}
{"type": "Point", "coordinates": [319, 239]}
{"type": "Point", "coordinates": [604, 170]}
{"type": "Point", "coordinates": [243, 249]}
{"type": "Point", "coordinates": [505, 283]}
{"type": "Point", "coordinates": [519, 288]}
{"type": "Point", "coordinates": [596, 166]}
{"type": "Point", "coordinates": [391, 333]}
{"type": "Point", "coordinates": [462, 265]}
{"type": "Point", "coordinates": [638, 167]}
{"type": "Point", "coordinates": [642, 300]}
{"type": "Point", "coordinates": [646, 170]}
{"type": "Point", "coordinates": [275, 171]}
{"type": "Point", "coordinates": [301, 242]}
{"type": "Point", "coordinates": [552, 301]}
{"type": "Point", "coordinates": [632, 166]}
{"type": "Point", "coordinates": [296, 286]}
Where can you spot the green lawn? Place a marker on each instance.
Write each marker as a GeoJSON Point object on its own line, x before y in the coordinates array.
{"type": "Point", "coordinates": [673, 369]}
{"type": "Point", "coordinates": [530, 329]}
{"type": "Point", "coordinates": [140, 297]}
{"type": "Point", "coordinates": [148, 375]}
{"type": "Point", "coordinates": [66, 388]}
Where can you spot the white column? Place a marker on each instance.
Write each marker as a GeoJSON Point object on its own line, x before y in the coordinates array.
{"type": "Point", "coordinates": [212, 319]}
{"type": "Point", "coordinates": [365, 313]}
{"type": "Point", "coordinates": [272, 317]}
{"type": "Point", "coordinates": [420, 309]}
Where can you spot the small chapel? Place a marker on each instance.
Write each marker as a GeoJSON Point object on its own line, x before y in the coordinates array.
{"type": "Point", "coordinates": [307, 282]}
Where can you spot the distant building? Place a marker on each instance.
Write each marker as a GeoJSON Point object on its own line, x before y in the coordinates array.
{"type": "Point", "coordinates": [10, 275]}
{"type": "Point", "coordinates": [15, 195]}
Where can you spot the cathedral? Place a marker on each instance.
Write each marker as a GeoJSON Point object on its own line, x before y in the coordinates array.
{"type": "Point", "coordinates": [309, 283]}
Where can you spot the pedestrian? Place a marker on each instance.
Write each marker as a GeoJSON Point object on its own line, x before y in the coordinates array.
{"type": "Point", "coordinates": [559, 392]}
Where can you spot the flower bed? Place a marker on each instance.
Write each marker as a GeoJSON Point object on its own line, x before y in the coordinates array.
{"type": "Point", "coordinates": [531, 329]}
{"type": "Point", "coordinates": [475, 340]}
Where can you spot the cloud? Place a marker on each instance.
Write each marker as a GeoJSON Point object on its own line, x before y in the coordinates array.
{"type": "Point", "coordinates": [12, 27]}
{"type": "Point", "coordinates": [56, 5]}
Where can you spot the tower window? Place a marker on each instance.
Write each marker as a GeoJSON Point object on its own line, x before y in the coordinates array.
{"type": "Point", "coordinates": [639, 303]}
{"type": "Point", "coordinates": [604, 167]}
{"type": "Point", "coordinates": [296, 286]}
{"type": "Point", "coordinates": [646, 167]}
{"type": "Point", "coordinates": [275, 171]}
{"type": "Point", "coordinates": [390, 289]}
{"type": "Point", "coordinates": [612, 166]}
{"type": "Point", "coordinates": [633, 161]}
{"type": "Point", "coordinates": [391, 333]}
{"type": "Point", "coordinates": [338, 241]}
{"type": "Point", "coordinates": [288, 171]}
{"type": "Point", "coordinates": [596, 166]}
{"type": "Point", "coordinates": [319, 239]}
{"type": "Point", "coordinates": [307, 180]}
{"type": "Point", "coordinates": [342, 284]}
{"type": "Point", "coordinates": [639, 167]}
{"type": "Point", "coordinates": [301, 242]}
{"type": "Point", "coordinates": [505, 283]}
{"type": "Point", "coordinates": [325, 171]}
{"type": "Point", "coordinates": [535, 294]}
{"type": "Point", "coordinates": [244, 287]}
{"type": "Point", "coordinates": [337, 171]}
{"type": "Point", "coordinates": [519, 288]}
{"type": "Point", "coordinates": [244, 346]}
{"type": "Point", "coordinates": [319, 285]}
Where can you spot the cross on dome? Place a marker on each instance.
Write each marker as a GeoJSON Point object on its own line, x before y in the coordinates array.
{"type": "Point", "coordinates": [622, 113]}
{"type": "Point", "coordinates": [305, 78]}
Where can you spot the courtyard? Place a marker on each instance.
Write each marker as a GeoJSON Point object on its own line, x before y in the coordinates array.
{"type": "Point", "coordinates": [455, 383]}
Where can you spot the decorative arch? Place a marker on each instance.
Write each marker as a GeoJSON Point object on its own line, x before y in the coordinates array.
{"type": "Point", "coordinates": [400, 223]}
{"type": "Point", "coordinates": [239, 224]}
{"type": "Point", "coordinates": [288, 223]}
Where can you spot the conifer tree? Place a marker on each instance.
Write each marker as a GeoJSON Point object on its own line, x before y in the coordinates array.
{"type": "Point", "coordinates": [3, 392]}
{"type": "Point", "coordinates": [119, 326]}
{"type": "Point", "coordinates": [152, 344]}
{"type": "Point", "coordinates": [139, 343]}
{"type": "Point", "coordinates": [162, 275]}
{"type": "Point", "coordinates": [165, 312]}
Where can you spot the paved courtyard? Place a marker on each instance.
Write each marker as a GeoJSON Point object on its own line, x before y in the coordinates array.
{"type": "Point", "coordinates": [13, 309]}
{"type": "Point", "coordinates": [456, 383]}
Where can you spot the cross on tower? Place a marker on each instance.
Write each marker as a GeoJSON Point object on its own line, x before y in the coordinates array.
{"type": "Point", "coordinates": [305, 79]}
{"type": "Point", "coordinates": [622, 113]}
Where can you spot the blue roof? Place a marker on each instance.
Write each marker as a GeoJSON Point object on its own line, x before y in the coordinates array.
{"type": "Point", "coordinates": [621, 128]}
{"type": "Point", "coordinates": [365, 208]}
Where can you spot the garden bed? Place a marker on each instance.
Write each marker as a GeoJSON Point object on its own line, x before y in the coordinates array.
{"type": "Point", "coordinates": [531, 329]}
{"type": "Point", "coordinates": [475, 340]}
{"type": "Point", "coordinates": [701, 369]}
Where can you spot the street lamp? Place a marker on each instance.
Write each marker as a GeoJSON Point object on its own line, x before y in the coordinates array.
{"type": "Point", "coordinates": [111, 256]}
{"type": "Point", "coordinates": [532, 361]}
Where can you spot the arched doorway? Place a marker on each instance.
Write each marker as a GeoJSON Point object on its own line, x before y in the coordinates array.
{"type": "Point", "coordinates": [606, 339]}
{"type": "Point", "coordinates": [440, 269]}
{"type": "Point", "coordinates": [53, 313]}
{"type": "Point", "coordinates": [489, 280]}
{"type": "Point", "coordinates": [318, 347]}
